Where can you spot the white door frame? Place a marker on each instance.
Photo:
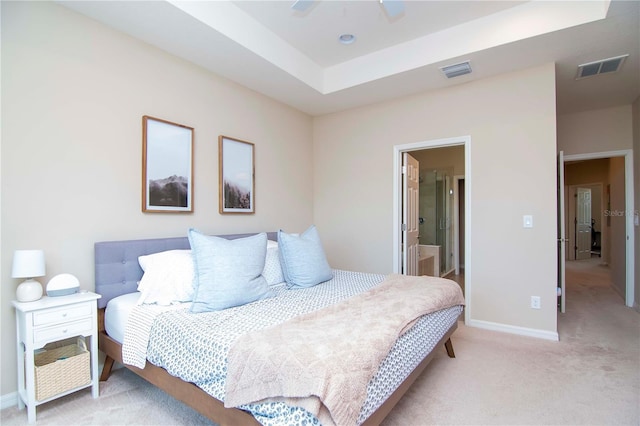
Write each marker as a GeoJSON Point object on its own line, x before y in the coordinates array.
{"type": "Point", "coordinates": [562, 234]}
{"type": "Point", "coordinates": [629, 208]}
{"type": "Point", "coordinates": [397, 204]}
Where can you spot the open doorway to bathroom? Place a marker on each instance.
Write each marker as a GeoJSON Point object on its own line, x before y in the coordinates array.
{"type": "Point", "coordinates": [439, 228]}
{"type": "Point", "coordinates": [446, 217]}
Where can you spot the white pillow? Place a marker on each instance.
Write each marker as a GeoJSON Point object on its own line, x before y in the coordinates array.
{"type": "Point", "coordinates": [272, 269]}
{"type": "Point", "coordinates": [168, 277]}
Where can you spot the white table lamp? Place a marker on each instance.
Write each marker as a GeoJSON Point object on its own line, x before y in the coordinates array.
{"type": "Point", "coordinates": [28, 264]}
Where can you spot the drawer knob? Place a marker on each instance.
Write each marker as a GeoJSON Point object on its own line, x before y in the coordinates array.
{"type": "Point", "coordinates": [65, 330]}
{"type": "Point", "coordinates": [64, 315]}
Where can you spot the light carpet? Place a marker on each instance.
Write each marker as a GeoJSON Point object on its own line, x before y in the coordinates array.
{"type": "Point", "coordinates": [590, 377]}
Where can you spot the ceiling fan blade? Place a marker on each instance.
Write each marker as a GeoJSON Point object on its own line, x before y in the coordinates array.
{"type": "Point", "coordinates": [392, 7]}
{"type": "Point", "coordinates": [302, 5]}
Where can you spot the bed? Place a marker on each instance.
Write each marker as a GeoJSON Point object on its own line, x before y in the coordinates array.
{"type": "Point", "coordinates": [118, 274]}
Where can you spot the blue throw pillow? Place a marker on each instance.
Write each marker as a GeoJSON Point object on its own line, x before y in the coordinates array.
{"type": "Point", "coordinates": [228, 272]}
{"type": "Point", "coordinates": [303, 261]}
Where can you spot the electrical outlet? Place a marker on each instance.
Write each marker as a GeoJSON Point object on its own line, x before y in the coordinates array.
{"type": "Point", "coordinates": [535, 302]}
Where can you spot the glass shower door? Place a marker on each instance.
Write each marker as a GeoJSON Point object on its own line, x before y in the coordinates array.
{"type": "Point", "coordinates": [444, 217]}
{"type": "Point", "coordinates": [436, 213]}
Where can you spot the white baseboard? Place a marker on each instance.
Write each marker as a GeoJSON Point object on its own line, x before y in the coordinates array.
{"type": "Point", "coordinates": [513, 329]}
{"type": "Point", "coordinates": [8, 400]}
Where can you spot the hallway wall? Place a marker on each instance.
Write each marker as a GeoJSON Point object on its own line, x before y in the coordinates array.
{"type": "Point", "coordinates": [617, 216]}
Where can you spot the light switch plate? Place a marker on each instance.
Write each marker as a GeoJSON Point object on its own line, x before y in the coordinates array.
{"type": "Point", "coordinates": [527, 221]}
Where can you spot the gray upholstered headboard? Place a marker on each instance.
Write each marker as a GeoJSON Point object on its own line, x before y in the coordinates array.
{"type": "Point", "coordinates": [117, 270]}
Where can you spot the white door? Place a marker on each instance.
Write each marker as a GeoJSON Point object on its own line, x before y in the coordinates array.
{"type": "Point", "coordinates": [410, 212]}
{"type": "Point", "coordinates": [583, 223]}
{"type": "Point", "coordinates": [562, 240]}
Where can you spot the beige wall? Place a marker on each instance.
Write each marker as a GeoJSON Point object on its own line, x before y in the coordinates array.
{"type": "Point", "coordinates": [636, 186]}
{"type": "Point", "coordinates": [511, 122]}
{"type": "Point", "coordinates": [442, 158]}
{"type": "Point", "coordinates": [73, 94]}
{"type": "Point", "coordinates": [617, 226]}
{"type": "Point", "coordinates": [595, 131]}
{"type": "Point", "coordinates": [591, 171]}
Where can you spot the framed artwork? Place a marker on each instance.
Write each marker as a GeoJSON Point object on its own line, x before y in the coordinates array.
{"type": "Point", "coordinates": [236, 180]}
{"type": "Point", "coordinates": [167, 166]}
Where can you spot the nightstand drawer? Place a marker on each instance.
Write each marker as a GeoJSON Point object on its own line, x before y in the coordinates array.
{"type": "Point", "coordinates": [62, 314]}
{"type": "Point", "coordinates": [62, 331]}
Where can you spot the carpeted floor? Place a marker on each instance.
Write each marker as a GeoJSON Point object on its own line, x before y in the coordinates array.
{"type": "Point", "coordinates": [590, 377]}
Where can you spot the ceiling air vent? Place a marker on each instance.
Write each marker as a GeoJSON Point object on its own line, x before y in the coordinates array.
{"type": "Point", "coordinates": [456, 70]}
{"type": "Point", "coordinates": [603, 66]}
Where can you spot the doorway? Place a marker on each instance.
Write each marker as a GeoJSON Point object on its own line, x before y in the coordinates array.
{"type": "Point", "coordinates": [450, 189]}
{"type": "Point", "coordinates": [582, 223]}
{"type": "Point", "coordinates": [436, 212]}
{"type": "Point", "coordinates": [591, 243]}
{"type": "Point", "coordinates": [616, 230]}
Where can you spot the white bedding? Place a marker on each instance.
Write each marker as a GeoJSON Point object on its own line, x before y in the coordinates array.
{"type": "Point", "coordinates": [418, 342]}
{"type": "Point", "coordinates": [117, 313]}
{"type": "Point", "coordinates": [119, 310]}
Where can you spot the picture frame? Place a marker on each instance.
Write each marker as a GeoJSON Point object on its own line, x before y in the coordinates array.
{"type": "Point", "coordinates": [236, 176]}
{"type": "Point", "coordinates": [167, 166]}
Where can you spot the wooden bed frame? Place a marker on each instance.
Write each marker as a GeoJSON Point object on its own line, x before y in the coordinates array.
{"type": "Point", "coordinates": [189, 393]}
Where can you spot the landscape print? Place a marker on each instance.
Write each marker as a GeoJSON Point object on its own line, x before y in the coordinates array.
{"type": "Point", "coordinates": [171, 191]}
{"type": "Point", "coordinates": [235, 196]}
{"type": "Point", "coordinates": [236, 175]}
{"type": "Point", "coordinates": [168, 170]}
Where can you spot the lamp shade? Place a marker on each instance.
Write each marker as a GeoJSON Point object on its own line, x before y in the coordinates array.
{"type": "Point", "coordinates": [28, 264]}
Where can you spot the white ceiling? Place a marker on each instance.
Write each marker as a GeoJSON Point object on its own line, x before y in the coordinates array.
{"type": "Point", "coordinates": [295, 57]}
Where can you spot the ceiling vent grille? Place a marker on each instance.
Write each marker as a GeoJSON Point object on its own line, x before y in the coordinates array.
{"type": "Point", "coordinates": [456, 70]}
{"type": "Point", "coordinates": [603, 66]}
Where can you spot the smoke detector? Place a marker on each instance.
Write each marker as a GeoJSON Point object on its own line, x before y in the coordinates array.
{"type": "Point", "coordinates": [603, 66]}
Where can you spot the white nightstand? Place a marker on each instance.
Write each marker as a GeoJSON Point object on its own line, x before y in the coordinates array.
{"type": "Point", "coordinates": [47, 320]}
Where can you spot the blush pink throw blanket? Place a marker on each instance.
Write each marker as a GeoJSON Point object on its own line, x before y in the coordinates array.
{"type": "Point", "coordinates": [324, 360]}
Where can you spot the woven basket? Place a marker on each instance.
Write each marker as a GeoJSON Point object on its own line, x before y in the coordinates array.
{"type": "Point", "coordinates": [61, 369]}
